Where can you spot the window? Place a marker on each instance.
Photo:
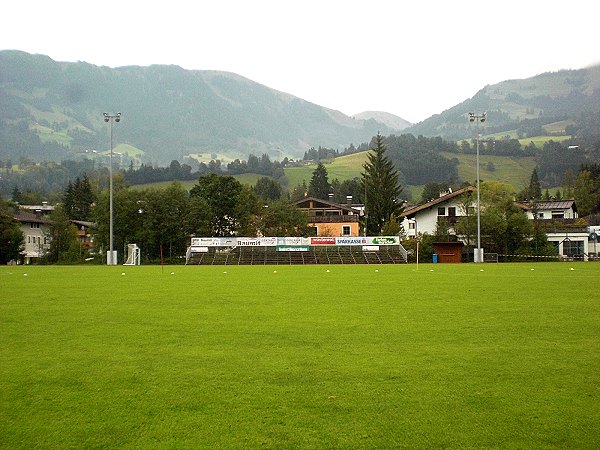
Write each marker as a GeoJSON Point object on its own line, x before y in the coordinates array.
{"type": "Point", "coordinates": [411, 225]}
{"type": "Point", "coordinates": [34, 225]}
{"type": "Point", "coordinates": [346, 230]}
{"type": "Point", "coordinates": [558, 214]}
{"type": "Point", "coordinates": [452, 211]}
{"type": "Point", "coordinates": [441, 211]}
{"type": "Point", "coordinates": [540, 215]}
{"type": "Point", "coordinates": [573, 248]}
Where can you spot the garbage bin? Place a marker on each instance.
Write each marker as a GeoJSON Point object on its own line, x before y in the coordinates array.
{"type": "Point", "coordinates": [435, 258]}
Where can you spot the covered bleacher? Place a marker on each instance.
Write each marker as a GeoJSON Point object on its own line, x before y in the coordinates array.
{"type": "Point", "coordinates": [296, 250]}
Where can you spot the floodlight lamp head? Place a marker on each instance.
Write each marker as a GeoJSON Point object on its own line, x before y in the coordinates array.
{"type": "Point", "coordinates": [118, 117]}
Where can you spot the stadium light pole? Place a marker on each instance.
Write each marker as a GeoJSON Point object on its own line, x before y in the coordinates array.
{"type": "Point", "coordinates": [111, 259]}
{"type": "Point", "coordinates": [478, 256]}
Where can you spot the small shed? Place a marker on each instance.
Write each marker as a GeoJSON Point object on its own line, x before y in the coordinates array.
{"type": "Point", "coordinates": [448, 252]}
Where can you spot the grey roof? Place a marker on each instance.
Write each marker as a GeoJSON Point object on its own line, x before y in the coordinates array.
{"type": "Point", "coordinates": [552, 204]}
{"type": "Point", "coordinates": [324, 204]}
{"type": "Point", "coordinates": [26, 217]}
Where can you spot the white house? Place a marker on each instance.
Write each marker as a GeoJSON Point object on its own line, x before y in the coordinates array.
{"type": "Point", "coordinates": [550, 210]}
{"type": "Point", "coordinates": [559, 218]}
{"type": "Point", "coordinates": [423, 218]}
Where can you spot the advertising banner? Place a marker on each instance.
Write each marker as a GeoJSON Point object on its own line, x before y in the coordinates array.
{"type": "Point", "coordinates": [206, 242]}
{"type": "Point", "coordinates": [322, 241]}
{"type": "Point", "coordinates": [293, 248]}
{"type": "Point", "coordinates": [257, 242]}
{"type": "Point", "coordinates": [351, 241]}
{"type": "Point", "coordinates": [370, 248]}
{"type": "Point", "coordinates": [385, 240]}
{"type": "Point", "coordinates": [293, 241]}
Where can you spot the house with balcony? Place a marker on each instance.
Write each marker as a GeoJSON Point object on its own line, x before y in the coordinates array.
{"type": "Point", "coordinates": [328, 218]}
{"type": "Point", "coordinates": [557, 210]}
{"type": "Point", "coordinates": [563, 227]}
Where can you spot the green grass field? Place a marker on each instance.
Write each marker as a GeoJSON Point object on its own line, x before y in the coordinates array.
{"type": "Point", "coordinates": [452, 356]}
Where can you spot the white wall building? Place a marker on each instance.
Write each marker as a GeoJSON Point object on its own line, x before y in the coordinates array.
{"type": "Point", "coordinates": [550, 210]}
{"type": "Point", "coordinates": [423, 218]}
{"type": "Point", "coordinates": [34, 227]}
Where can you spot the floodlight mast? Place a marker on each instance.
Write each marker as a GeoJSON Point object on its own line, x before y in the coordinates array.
{"type": "Point", "coordinates": [478, 255]}
{"type": "Point", "coordinates": [111, 259]}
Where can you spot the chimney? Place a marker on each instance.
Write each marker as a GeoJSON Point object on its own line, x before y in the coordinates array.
{"type": "Point", "coordinates": [349, 199]}
{"type": "Point", "coordinates": [331, 196]}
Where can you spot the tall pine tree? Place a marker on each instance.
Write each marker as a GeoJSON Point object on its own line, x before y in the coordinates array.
{"type": "Point", "coordinates": [319, 186]}
{"type": "Point", "coordinates": [382, 188]}
{"type": "Point", "coordinates": [535, 190]}
{"type": "Point", "coordinates": [78, 199]}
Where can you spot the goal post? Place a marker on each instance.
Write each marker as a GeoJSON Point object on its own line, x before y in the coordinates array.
{"type": "Point", "coordinates": [133, 255]}
{"type": "Point", "coordinates": [490, 257]}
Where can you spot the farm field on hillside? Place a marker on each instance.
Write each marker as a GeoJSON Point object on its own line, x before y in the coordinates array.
{"type": "Point", "coordinates": [514, 171]}
{"type": "Point", "coordinates": [486, 356]}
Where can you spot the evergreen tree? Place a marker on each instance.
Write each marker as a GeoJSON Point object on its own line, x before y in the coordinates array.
{"type": "Point", "coordinates": [78, 199]}
{"type": "Point", "coordinates": [64, 243]}
{"type": "Point", "coordinates": [17, 195]}
{"type": "Point", "coordinates": [535, 190]}
{"type": "Point", "coordinates": [319, 186]}
{"type": "Point", "coordinates": [11, 237]}
{"type": "Point", "coordinates": [382, 188]}
{"type": "Point", "coordinates": [268, 189]}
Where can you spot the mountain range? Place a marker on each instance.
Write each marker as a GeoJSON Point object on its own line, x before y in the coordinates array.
{"type": "Point", "coordinates": [52, 110]}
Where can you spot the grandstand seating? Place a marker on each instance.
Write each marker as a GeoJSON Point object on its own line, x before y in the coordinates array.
{"type": "Point", "coordinates": [317, 255]}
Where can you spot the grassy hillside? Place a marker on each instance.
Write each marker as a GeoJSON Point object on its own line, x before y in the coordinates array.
{"type": "Point", "coordinates": [514, 171]}
{"type": "Point", "coordinates": [246, 178]}
{"type": "Point", "coordinates": [343, 168]}
{"type": "Point", "coordinates": [546, 98]}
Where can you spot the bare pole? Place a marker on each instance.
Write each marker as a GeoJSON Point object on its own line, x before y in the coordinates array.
{"type": "Point", "coordinates": [110, 118]}
{"type": "Point", "coordinates": [478, 257]}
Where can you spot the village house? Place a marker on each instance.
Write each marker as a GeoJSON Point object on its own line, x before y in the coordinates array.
{"type": "Point", "coordinates": [328, 218]}
{"type": "Point", "coordinates": [560, 221]}
{"type": "Point", "coordinates": [35, 228]}
{"type": "Point", "coordinates": [450, 205]}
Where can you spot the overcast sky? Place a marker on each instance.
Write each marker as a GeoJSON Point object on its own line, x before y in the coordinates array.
{"type": "Point", "coordinates": [413, 59]}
